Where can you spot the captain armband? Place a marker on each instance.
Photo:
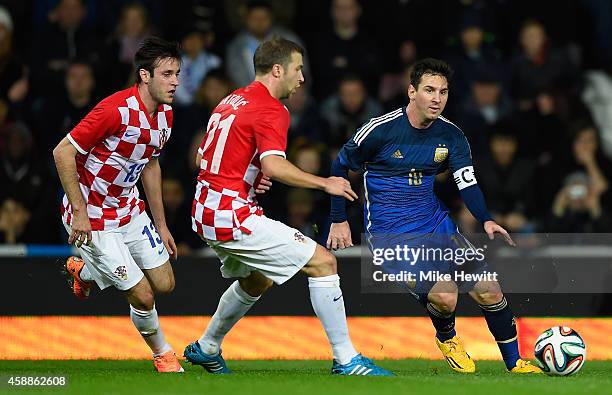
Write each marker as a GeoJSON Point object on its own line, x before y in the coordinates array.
{"type": "Point", "coordinates": [465, 177]}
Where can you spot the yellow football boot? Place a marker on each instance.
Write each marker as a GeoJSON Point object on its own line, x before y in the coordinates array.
{"type": "Point", "coordinates": [523, 367]}
{"type": "Point", "coordinates": [454, 353]}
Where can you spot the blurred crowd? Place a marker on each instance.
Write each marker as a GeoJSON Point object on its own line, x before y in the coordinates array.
{"type": "Point", "coordinates": [532, 91]}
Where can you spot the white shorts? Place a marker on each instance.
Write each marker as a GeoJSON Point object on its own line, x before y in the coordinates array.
{"type": "Point", "coordinates": [117, 257]}
{"type": "Point", "coordinates": [274, 249]}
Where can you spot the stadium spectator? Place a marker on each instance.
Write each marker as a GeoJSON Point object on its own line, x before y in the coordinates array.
{"type": "Point", "coordinates": [348, 109]}
{"type": "Point", "coordinates": [61, 114]}
{"type": "Point", "coordinates": [485, 104]}
{"type": "Point", "coordinates": [307, 125]}
{"type": "Point", "coordinates": [13, 73]}
{"type": "Point", "coordinates": [507, 180]}
{"type": "Point", "coordinates": [27, 190]}
{"type": "Point", "coordinates": [597, 95]}
{"type": "Point", "coordinates": [541, 128]}
{"type": "Point", "coordinates": [14, 222]}
{"type": "Point", "coordinates": [307, 158]}
{"type": "Point", "coordinates": [538, 65]}
{"type": "Point", "coordinates": [586, 156]}
{"type": "Point", "coordinates": [393, 90]}
{"type": "Point", "coordinates": [472, 56]}
{"type": "Point", "coordinates": [133, 27]}
{"type": "Point", "coordinates": [284, 12]}
{"type": "Point", "coordinates": [259, 26]}
{"type": "Point", "coordinates": [196, 62]}
{"type": "Point", "coordinates": [578, 207]}
{"type": "Point", "coordinates": [345, 48]}
{"type": "Point", "coordinates": [64, 40]}
{"type": "Point", "coordinates": [214, 88]}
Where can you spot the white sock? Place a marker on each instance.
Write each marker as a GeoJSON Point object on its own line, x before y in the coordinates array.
{"type": "Point", "coordinates": [147, 323]}
{"type": "Point", "coordinates": [233, 305]}
{"type": "Point", "coordinates": [85, 274]}
{"type": "Point", "coordinates": [328, 304]}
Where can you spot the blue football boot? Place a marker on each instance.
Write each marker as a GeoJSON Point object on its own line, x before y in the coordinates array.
{"type": "Point", "coordinates": [359, 366]}
{"type": "Point", "coordinates": [214, 364]}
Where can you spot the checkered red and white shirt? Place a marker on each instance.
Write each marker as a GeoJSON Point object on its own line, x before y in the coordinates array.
{"type": "Point", "coordinates": [245, 127]}
{"type": "Point", "coordinates": [114, 143]}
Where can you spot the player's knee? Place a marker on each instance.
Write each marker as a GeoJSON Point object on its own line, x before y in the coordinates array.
{"type": "Point", "coordinates": [443, 302]}
{"type": "Point", "coordinates": [330, 264]}
{"type": "Point", "coordinates": [141, 297]}
{"type": "Point", "coordinates": [487, 293]}
{"type": "Point", "coordinates": [144, 302]}
{"type": "Point", "coordinates": [322, 264]}
{"type": "Point", "coordinates": [489, 297]}
{"type": "Point", "coordinates": [327, 265]}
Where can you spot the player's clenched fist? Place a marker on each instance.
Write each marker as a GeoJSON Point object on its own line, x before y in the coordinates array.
{"type": "Point", "coordinates": [340, 186]}
{"type": "Point", "coordinates": [339, 236]}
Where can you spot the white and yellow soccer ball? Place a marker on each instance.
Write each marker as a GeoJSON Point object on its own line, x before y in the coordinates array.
{"type": "Point", "coordinates": [560, 351]}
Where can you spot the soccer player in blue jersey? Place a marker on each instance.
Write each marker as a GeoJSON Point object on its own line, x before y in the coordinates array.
{"type": "Point", "coordinates": [400, 154]}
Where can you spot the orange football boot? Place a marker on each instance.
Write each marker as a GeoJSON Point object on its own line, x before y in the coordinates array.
{"type": "Point", "coordinates": [167, 363]}
{"type": "Point", "coordinates": [72, 268]}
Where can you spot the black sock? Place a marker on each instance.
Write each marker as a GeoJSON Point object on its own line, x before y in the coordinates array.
{"type": "Point", "coordinates": [444, 323]}
{"type": "Point", "coordinates": [503, 327]}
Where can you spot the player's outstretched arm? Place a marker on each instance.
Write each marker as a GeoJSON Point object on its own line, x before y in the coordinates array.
{"type": "Point", "coordinates": [151, 182]}
{"type": "Point", "coordinates": [280, 169]}
{"type": "Point", "coordinates": [64, 155]}
{"type": "Point", "coordinates": [339, 231]}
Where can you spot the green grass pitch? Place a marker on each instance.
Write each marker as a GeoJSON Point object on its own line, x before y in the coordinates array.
{"type": "Point", "coordinates": [301, 377]}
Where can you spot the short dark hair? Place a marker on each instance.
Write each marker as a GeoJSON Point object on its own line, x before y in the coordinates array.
{"type": "Point", "coordinates": [505, 129]}
{"type": "Point", "coordinates": [274, 51]}
{"type": "Point", "coordinates": [78, 61]}
{"type": "Point", "coordinates": [255, 4]}
{"type": "Point", "coordinates": [152, 51]}
{"type": "Point", "coordinates": [429, 66]}
{"type": "Point", "coordinates": [350, 77]}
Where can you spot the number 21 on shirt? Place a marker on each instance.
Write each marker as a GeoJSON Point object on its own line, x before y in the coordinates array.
{"type": "Point", "coordinates": [215, 123]}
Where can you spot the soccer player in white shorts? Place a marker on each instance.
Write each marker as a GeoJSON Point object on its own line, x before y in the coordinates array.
{"type": "Point", "coordinates": [244, 144]}
{"type": "Point", "coordinates": [99, 163]}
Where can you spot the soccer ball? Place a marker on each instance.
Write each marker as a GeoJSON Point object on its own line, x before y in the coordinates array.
{"type": "Point", "coordinates": [560, 351]}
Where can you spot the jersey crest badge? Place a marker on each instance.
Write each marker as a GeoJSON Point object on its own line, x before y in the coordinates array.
{"type": "Point", "coordinates": [440, 154]}
{"type": "Point", "coordinates": [163, 137]}
{"type": "Point", "coordinates": [121, 272]}
{"type": "Point", "coordinates": [299, 237]}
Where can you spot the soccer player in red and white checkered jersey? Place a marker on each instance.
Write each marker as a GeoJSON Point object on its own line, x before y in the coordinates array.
{"type": "Point", "coordinates": [99, 163]}
{"type": "Point", "coordinates": [244, 143]}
